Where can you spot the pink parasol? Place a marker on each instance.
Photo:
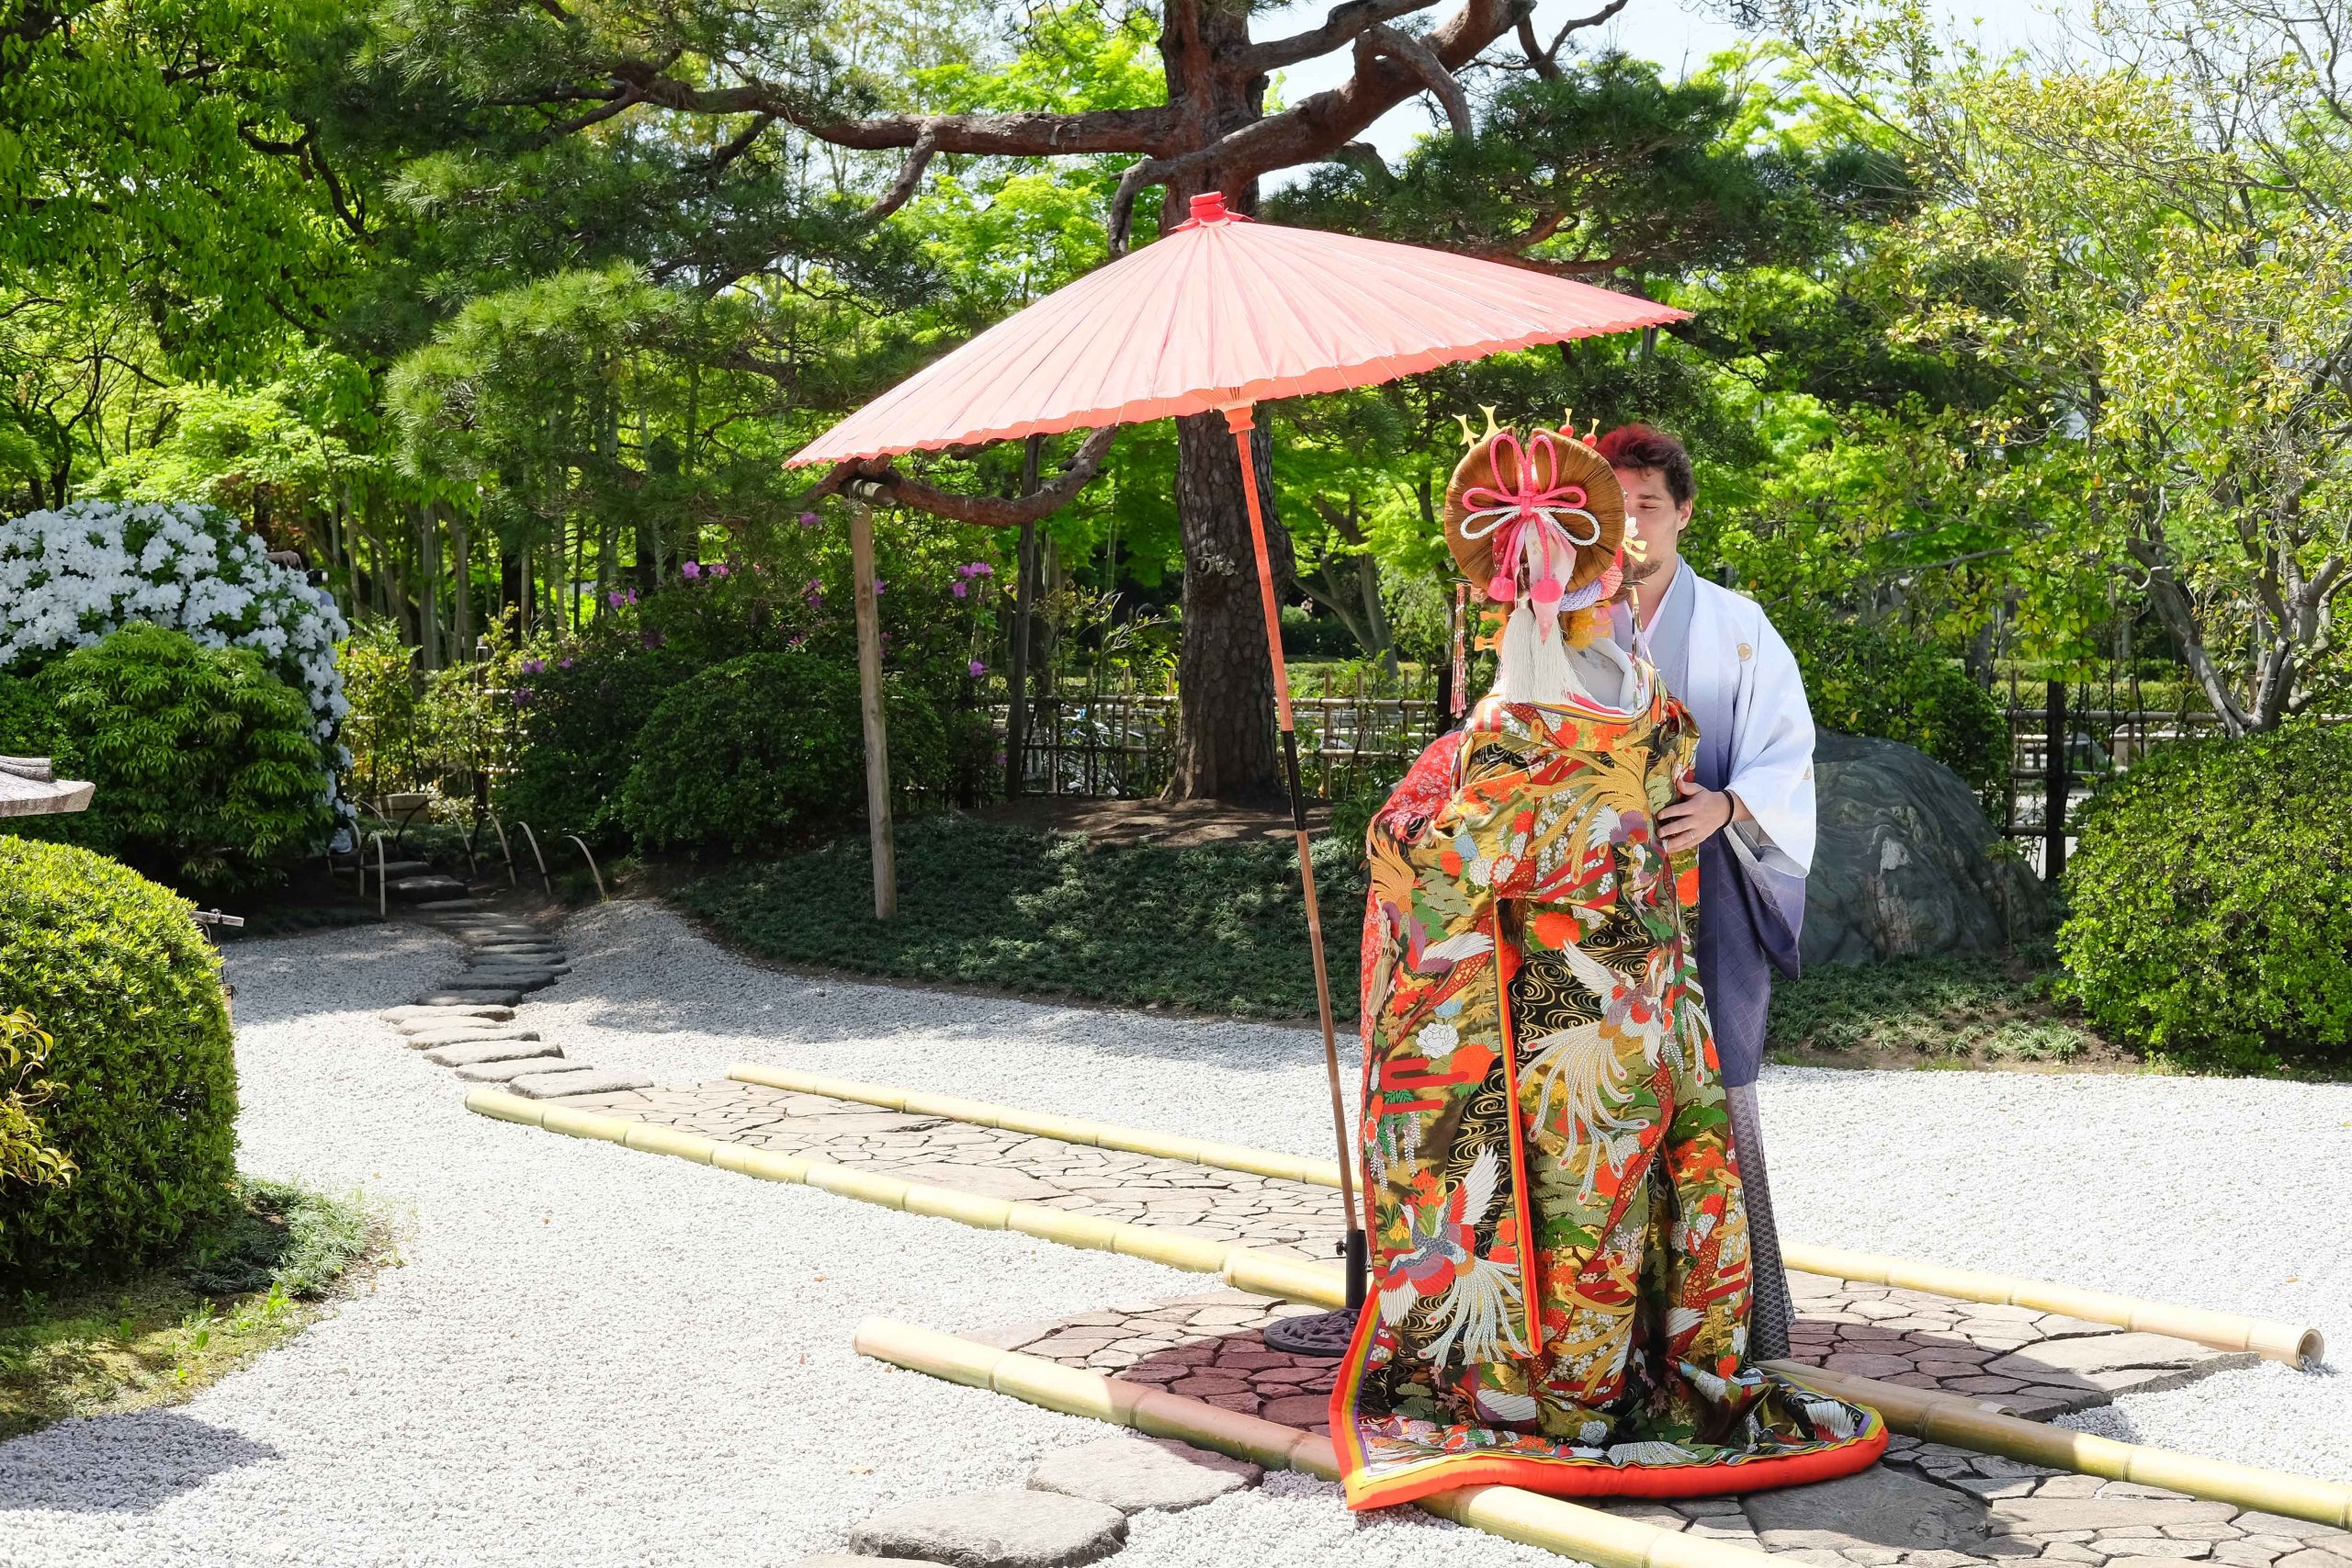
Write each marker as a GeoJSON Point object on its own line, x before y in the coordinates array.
{"type": "Point", "coordinates": [1220, 313]}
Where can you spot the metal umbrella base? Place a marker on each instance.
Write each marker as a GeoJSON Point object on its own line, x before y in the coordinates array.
{"type": "Point", "coordinates": [1324, 1335]}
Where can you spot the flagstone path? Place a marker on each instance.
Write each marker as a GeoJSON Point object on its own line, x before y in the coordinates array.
{"type": "Point", "coordinates": [2029, 1363]}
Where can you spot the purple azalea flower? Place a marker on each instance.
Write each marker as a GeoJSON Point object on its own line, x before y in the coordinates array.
{"type": "Point", "coordinates": [690, 571]}
{"type": "Point", "coordinates": [532, 666]}
{"type": "Point", "coordinates": [719, 568]}
{"type": "Point", "coordinates": [809, 520]}
{"type": "Point", "coordinates": [877, 586]}
{"type": "Point", "coordinates": [977, 668]}
{"type": "Point", "coordinates": [957, 588]}
{"type": "Point", "coordinates": [522, 695]}
{"type": "Point", "coordinates": [563, 664]}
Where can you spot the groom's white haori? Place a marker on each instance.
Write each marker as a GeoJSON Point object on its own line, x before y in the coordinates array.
{"type": "Point", "coordinates": [1718, 653]}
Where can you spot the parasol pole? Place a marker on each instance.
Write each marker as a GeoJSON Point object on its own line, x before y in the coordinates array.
{"type": "Point", "coordinates": [1326, 1332]}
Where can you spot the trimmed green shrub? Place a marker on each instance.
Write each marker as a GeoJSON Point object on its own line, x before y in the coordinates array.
{"type": "Point", "coordinates": [145, 1104]}
{"type": "Point", "coordinates": [206, 767]}
{"type": "Point", "coordinates": [1862, 679]}
{"type": "Point", "coordinates": [754, 753]}
{"type": "Point", "coordinates": [26, 1152]}
{"type": "Point", "coordinates": [27, 726]}
{"type": "Point", "coordinates": [2210, 891]}
{"type": "Point", "coordinates": [583, 710]}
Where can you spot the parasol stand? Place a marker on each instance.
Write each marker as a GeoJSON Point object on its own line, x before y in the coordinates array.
{"type": "Point", "coordinates": [1324, 1333]}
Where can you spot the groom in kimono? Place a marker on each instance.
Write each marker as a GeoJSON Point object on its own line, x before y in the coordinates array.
{"type": "Point", "coordinates": [1748, 813]}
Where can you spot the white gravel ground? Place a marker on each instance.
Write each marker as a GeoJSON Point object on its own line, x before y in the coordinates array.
{"type": "Point", "coordinates": [594, 1357]}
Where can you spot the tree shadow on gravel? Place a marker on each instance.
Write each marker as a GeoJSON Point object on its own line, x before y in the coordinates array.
{"type": "Point", "coordinates": [783, 1004]}
{"type": "Point", "coordinates": [120, 1464]}
{"type": "Point", "coordinates": [279, 980]}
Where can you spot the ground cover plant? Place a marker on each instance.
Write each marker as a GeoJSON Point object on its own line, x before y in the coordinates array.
{"type": "Point", "coordinates": [256, 1273]}
{"type": "Point", "coordinates": [1214, 929]}
{"type": "Point", "coordinates": [1217, 928]}
{"type": "Point", "coordinates": [1962, 1009]}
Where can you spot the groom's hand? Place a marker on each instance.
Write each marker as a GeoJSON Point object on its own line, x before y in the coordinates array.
{"type": "Point", "coordinates": [1699, 816]}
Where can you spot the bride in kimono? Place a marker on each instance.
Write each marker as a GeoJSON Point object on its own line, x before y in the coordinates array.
{"type": "Point", "coordinates": [1560, 1251]}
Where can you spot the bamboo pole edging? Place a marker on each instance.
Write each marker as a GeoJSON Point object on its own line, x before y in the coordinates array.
{"type": "Point", "coordinates": [2296, 1346]}
{"type": "Point", "coordinates": [1044, 1124]}
{"type": "Point", "coordinates": [1958, 1422]}
{"type": "Point", "coordinates": [1933, 1417]}
{"type": "Point", "coordinates": [1571, 1529]}
{"type": "Point", "coordinates": [1242, 1268]}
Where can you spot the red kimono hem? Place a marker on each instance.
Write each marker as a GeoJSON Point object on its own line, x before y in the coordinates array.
{"type": "Point", "coordinates": [1572, 1478]}
{"type": "Point", "coordinates": [1558, 1478]}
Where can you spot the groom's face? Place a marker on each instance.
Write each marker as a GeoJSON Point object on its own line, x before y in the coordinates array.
{"type": "Point", "coordinates": [1653, 516]}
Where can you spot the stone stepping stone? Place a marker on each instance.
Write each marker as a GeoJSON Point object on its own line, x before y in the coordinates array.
{"type": "Point", "coordinates": [995, 1529]}
{"type": "Point", "coordinates": [433, 1040]}
{"type": "Point", "coordinates": [582, 1079]}
{"type": "Point", "coordinates": [512, 972]}
{"type": "Point", "coordinates": [430, 888]}
{"type": "Point", "coordinates": [473, 1053]}
{"type": "Point", "coordinates": [1882, 1508]}
{"type": "Point", "coordinates": [1132, 1474]}
{"type": "Point", "coordinates": [432, 905]}
{"type": "Point", "coordinates": [503, 996]}
{"type": "Point", "coordinates": [408, 1017]}
{"type": "Point", "coordinates": [508, 1070]}
{"type": "Point", "coordinates": [432, 1018]}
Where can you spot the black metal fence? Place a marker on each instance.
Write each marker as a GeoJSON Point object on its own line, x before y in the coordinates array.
{"type": "Point", "coordinates": [1121, 743]}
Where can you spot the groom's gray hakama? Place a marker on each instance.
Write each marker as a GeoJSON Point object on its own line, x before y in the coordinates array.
{"type": "Point", "coordinates": [1720, 656]}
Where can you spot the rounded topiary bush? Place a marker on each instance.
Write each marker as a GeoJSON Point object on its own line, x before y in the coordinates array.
{"type": "Point", "coordinates": [206, 768]}
{"type": "Point", "coordinates": [111, 965]}
{"type": "Point", "coordinates": [2211, 897]}
{"type": "Point", "coordinates": [756, 752]}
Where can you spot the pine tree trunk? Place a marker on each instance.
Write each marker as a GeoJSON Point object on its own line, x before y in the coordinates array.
{"type": "Point", "coordinates": [1225, 747]}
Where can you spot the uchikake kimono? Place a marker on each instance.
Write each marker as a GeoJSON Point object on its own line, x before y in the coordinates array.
{"type": "Point", "coordinates": [1560, 1271]}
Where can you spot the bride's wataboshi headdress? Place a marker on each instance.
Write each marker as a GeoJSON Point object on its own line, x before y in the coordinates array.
{"type": "Point", "coordinates": [1540, 524]}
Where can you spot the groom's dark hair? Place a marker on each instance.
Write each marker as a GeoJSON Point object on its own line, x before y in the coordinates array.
{"type": "Point", "coordinates": [1639, 447]}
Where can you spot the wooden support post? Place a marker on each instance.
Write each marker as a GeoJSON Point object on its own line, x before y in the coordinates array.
{"type": "Point", "coordinates": [2055, 782]}
{"type": "Point", "coordinates": [1024, 570]}
{"type": "Point", "coordinates": [869, 704]}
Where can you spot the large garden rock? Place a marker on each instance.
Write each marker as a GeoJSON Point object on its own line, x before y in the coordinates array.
{"type": "Point", "coordinates": [1905, 862]}
{"type": "Point", "coordinates": [1135, 1473]}
{"type": "Point", "coordinates": [995, 1529]}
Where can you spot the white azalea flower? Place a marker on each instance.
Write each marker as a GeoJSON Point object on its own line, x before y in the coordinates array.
{"type": "Point", "coordinates": [72, 576]}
